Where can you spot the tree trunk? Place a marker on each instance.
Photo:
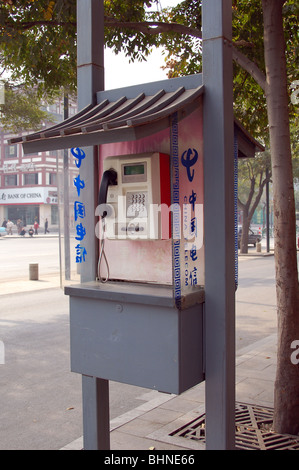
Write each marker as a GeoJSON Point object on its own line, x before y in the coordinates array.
{"type": "Point", "coordinates": [245, 232]}
{"type": "Point", "coordinates": [248, 208]}
{"type": "Point", "coordinates": [286, 395]}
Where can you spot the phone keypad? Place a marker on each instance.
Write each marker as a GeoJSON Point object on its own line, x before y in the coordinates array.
{"type": "Point", "coordinates": [136, 203]}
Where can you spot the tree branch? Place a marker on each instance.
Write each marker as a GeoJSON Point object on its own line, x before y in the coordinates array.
{"type": "Point", "coordinates": [157, 27]}
{"type": "Point", "coordinates": [150, 27]}
{"type": "Point", "coordinates": [25, 25]}
{"type": "Point", "coordinates": [258, 197]}
{"type": "Point", "coordinates": [251, 194]}
{"type": "Point", "coordinates": [153, 27]}
{"type": "Point", "coordinates": [250, 67]}
{"type": "Point", "coordinates": [241, 205]}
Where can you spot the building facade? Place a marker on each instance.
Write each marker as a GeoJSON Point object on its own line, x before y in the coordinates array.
{"type": "Point", "coordinates": [29, 184]}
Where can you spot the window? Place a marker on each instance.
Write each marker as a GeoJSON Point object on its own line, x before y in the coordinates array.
{"type": "Point", "coordinates": [54, 215]}
{"type": "Point", "coordinates": [53, 179]}
{"type": "Point", "coordinates": [30, 178]}
{"type": "Point", "coordinates": [11, 180]}
{"type": "Point", "coordinates": [11, 151]}
{"type": "Point", "coordinates": [27, 213]}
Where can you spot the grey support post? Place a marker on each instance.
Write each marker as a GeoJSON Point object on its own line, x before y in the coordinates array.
{"type": "Point", "coordinates": [95, 399]}
{"type": "Point", "coordinates": [219, 224]}
{"type": "Point", "coordinates": [90, 69]}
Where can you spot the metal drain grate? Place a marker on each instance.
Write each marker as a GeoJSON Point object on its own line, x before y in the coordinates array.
{"type": "Point", "coordinates": [253, 430]}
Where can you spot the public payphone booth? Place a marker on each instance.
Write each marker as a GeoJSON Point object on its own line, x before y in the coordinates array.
{"type": "Point", "coordinates": [148, 300]}
{"type": "Point", "coordinates": [140, 321]}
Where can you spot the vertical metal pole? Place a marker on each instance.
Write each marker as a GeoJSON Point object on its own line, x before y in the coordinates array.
{"type": "Point", "coordinates": [66, 199]}
{"type": "Point", "coordinates": [219, 224]}
{"type": "Point", "coordinates": [90, 69]}
{"type": "Point", "coordinates": [96, 432]}
{"type": "Point", "coordinates": [267, 212]}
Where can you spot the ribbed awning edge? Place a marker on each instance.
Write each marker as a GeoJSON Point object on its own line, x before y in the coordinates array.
{"type": "Point", "coordinates": [115, 121]}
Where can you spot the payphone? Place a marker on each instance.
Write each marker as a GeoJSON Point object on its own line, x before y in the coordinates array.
{"type": "Point", "coordinates": [134, 197]}
{"type": "Point", "coordinates": [142, 324]}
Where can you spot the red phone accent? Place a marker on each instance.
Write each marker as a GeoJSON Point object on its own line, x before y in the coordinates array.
{"type": "Point", "coordinates": [165, 196]}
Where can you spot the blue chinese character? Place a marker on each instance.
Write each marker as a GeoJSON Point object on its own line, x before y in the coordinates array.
{"type": "Point", "coordinates": [79, 154]}
{"type": "Point", "coordinates": [192, 199]}
{"type": "Point", "coordinates": [80, 254]}
{"type": "Point", "coordinates": [193, 254]}
{"type": "Point", "coordinates": [189, 159]}
{"type": "Point", "coordinates": [79, 210]}
{"type": "Point", "coordinates": [193, 277]}
{"type": "Point", "coordinates": [193, 225]}
{"type": "Point", "coordinates": [81, 232]}
{"type": "Point", "coordinates": [79, 184]}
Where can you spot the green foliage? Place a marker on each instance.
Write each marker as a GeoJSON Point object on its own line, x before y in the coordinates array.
{"type": "Point", "coordinates": [22, 110]}
{"type": "Point", "coordinates": [252, 178]}
{"type": "Point", "coordinates": [252, 170]}
{"type": "Point", "coordinates": [135, 44]}
{"type": "Point", "coordinates": [38, 44]}
{"type": "Point", "coordinates": [183, 52]}
{"type": "Point", "coordinates": [249, 100]}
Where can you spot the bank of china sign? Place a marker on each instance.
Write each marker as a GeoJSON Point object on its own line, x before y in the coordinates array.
{"type": "Point", "coordinates": [27, 196]}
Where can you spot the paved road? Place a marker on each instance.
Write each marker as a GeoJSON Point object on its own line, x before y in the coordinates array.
{"type": "Point", "coordinates": [255, 300]}
{"type": "Point", "coordinates": [18, 252]}
{"type": "Point", "coordinates": [40, 406]}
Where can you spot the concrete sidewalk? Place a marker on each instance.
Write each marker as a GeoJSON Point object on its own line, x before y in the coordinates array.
{"type": "Point", "coordinates": [41, 234]}
{"type": "Point", "coordinates": [170, 422]}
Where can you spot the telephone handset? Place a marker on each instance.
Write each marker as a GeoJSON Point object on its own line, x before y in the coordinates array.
{"type": "Point", "coordinates": [135, 197]}
{"type": "Point", "coordinates": [109, 178]}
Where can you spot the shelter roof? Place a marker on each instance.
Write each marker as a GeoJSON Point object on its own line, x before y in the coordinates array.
{"type": "Point", "coordinates": [127, 114]}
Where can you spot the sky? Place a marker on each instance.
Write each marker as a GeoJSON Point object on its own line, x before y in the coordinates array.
{"type": "Point", "coordinates": [120, 73]}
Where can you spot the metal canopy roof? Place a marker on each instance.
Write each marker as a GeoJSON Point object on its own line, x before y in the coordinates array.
{"type": "Point", "coordinates": [116, 120]}
{"type": "Point", "coordinates": [127, 114]}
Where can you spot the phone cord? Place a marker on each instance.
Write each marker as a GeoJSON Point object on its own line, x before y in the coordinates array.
{"type": "Point", "coordinates": [103, 256]}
